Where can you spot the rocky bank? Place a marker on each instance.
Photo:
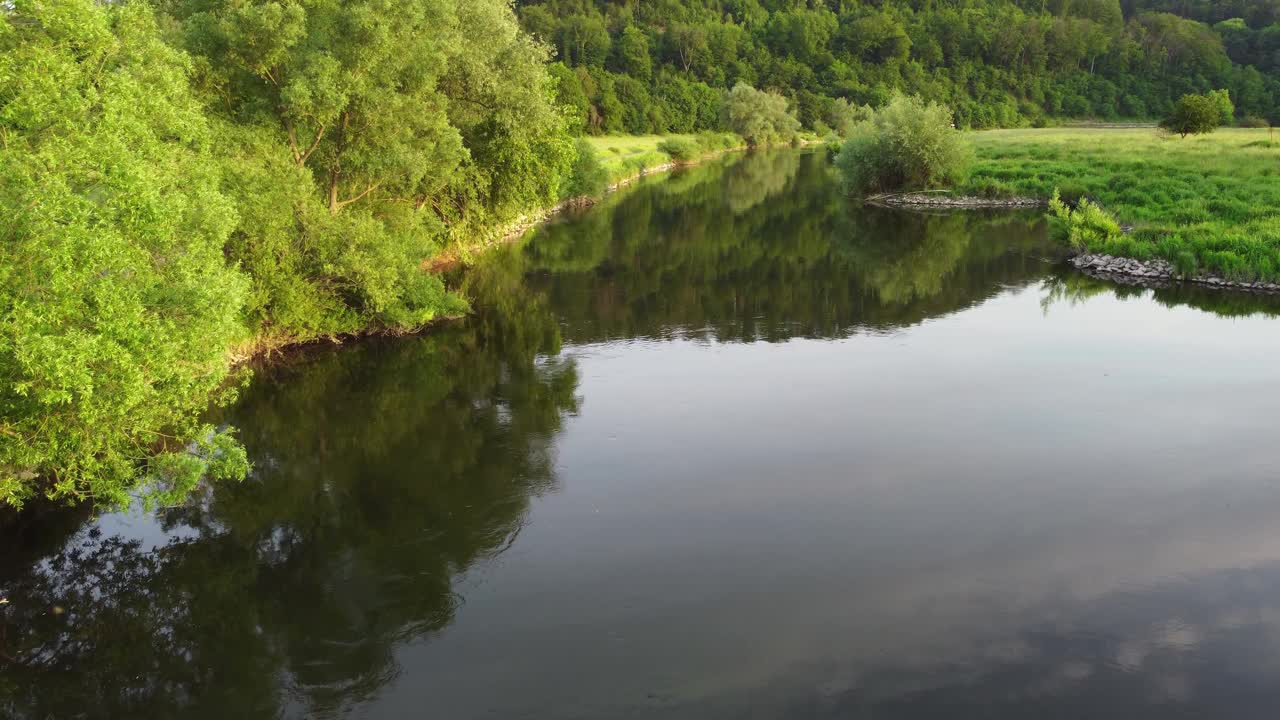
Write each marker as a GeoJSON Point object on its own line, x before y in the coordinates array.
{"type": "Point", "coordinates": [1156, 273]}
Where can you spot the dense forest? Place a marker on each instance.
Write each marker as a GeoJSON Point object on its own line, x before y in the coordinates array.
{"type": "Point", "coordinates": [188, 182]}
{"type": "Point", "coordinates": [661, 65]}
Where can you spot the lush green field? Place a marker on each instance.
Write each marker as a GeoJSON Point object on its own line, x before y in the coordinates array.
{"type": "Point", "coordinates": [623, 156]}
{"type": "Point", "coordinates": [1208, 204]}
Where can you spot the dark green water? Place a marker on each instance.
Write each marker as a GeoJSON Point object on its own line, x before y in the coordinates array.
{"type": "Point", "coordinates": [722, 447]}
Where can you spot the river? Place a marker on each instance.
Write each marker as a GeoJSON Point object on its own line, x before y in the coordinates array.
{"type": "Point", "coordinates": [724, 446]}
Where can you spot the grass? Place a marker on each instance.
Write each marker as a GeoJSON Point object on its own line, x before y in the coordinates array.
{"type": "Point", "coordinates": [625, 156]}
{"type": "Point", "coordinates": [1208, 204]}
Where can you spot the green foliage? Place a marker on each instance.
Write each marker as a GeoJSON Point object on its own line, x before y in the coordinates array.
{"type": "Point", "coordinates": [283, 178]}
{"type": "Point", "coordinates": [761, 118]}
{"type": "Point", "coordinates": [1253, 121]}
{"type": "Point", "coordinates": [713, 142]}
{"type": "Point", "coordinates": [632, 51]}
{"type": "Point", "coordinates": [588, 177]}
{"type": "Point", "coordinates": [1194, 115]}
{"type": "Point", "coordinates": [1226, 108]}
{"type": "Point", "coordinates": [681, 149]}
{"type": "Point", "coordinates": [907, 145]}
{"type": "Point", "coordinates": [1084, 226]}
{"type": "Point", "coordinates": [996, 63]}
{"type": "Point", "coordinates": [570, 97]}
{"type": "Point", "coordinates": [118, 304]}
{"type": "Point", "coordinates": [843, 117]}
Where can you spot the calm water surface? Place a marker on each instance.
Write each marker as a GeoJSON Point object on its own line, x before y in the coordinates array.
{"type": "Point", "coordinates": [723, 447]}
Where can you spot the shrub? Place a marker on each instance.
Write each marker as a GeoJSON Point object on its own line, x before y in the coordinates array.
{"type": "Point", "coordinates": [843, 116]}
{"type": "Point", "coordinates": [906, 145]}
{"type": "Point", "coordinates": [1084, 226]}
{"type": "Point", "coordinates": [713, 141]}
{"type": "Point", "coordinates": [681, 149]}
{"type": "Point", "coordinates": [1253, 121]}
{"type": "Point", "coordinates": [1194, 115]}
{"type": "Point", "coordinates": [761, 118]}
{"type": "Point", "coordinates": [587, 178]}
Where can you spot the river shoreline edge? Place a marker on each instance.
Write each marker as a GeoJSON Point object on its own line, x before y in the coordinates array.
{"type": "Point", "coordinates": [261, 348]}
{"type": "Point", "coordinates": [1154, 273]}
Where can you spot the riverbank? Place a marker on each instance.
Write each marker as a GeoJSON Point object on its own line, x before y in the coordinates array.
{"type": "Point", "coordinates": [1207, 206]}
{"type": "Point", "coordinates": [624, 160]}
{"type": "Point", "coordinates": [1159, 273]}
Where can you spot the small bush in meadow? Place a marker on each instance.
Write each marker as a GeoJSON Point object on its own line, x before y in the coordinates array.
{"type": "Point", "coordinates": [1253, 121]}
{"type": "Point", "coordinates": [906, 145]}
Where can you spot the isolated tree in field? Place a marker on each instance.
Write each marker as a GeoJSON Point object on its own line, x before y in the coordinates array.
{"type": "Point", "coordinates": [906, 145]}
{"type": "Point", "coordinates": [759, 117]}
{"type": "Point", "coordinates": [116, 304]}
{"type": "Point", "coordinates": [1194, 115]}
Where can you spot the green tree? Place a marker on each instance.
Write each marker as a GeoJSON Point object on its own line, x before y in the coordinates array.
{"type": "Point", "coordinates": [571, 97]}
{"type": "Point", "coordinates": [1226, 108]}
{"type": "Point", "coordinates": [118, 304]}
{"type": "Point", "coordinates": [632, 52]}
{"type": "Point", "coordinates": [761, 118]}
{"type": "Point", "coordinates": [1193, 115]}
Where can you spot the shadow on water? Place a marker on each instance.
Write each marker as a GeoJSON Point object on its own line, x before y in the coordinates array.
{"type": "Point", "coordinates": [382, 472]}
{"type": "Point", "coordinates": [386, 470]}
{"type": "Point", "coordinates": [1073, 288]}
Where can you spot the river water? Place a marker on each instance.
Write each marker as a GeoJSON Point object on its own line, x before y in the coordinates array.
{"type": "Point", "coordinates": [724, 446]}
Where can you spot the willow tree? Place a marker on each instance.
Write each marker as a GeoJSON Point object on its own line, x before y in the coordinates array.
{"type": "Point", "coordinates": [116, 304]}
{"type": "Point", "coordinates": [360, 136]}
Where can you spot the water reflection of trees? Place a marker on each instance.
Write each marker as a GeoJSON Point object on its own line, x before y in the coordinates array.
{"type": "Point", "coordinates": [1073, 288]}
{"type": "Point", "coordinates": [382, 471]}
{"type": "Point", "coordinates": [767, 247]}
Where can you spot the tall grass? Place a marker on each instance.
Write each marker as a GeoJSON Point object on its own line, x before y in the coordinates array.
{"type": "Point", "coordinates": [1208, 204]}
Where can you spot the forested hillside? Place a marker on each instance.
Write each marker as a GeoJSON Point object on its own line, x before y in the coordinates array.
{"type": "Point", "coordinates": [660, 65]}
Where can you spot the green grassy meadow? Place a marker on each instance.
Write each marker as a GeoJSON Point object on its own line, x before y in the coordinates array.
{"type": "Point", "coordinates": [624, 156]}
{"type": "Point", "coordinates": [1208, 204]}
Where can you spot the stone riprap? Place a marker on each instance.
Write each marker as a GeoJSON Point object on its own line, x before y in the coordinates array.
{"type": "Point", "coordinates": [1157, 273]}
{"type": "Point", "coordinates": [926, 200]}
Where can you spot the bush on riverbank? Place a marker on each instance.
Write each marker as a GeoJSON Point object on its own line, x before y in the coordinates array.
{"type": "Point", "coordinates": [681, 149]}
{"type": "Point", "coordinates": [588, 177]}
{"type": "Point", "coordinates": [1085, 225]}
{"type": "Point", "coordinates": [906, 145]}
{"type": "Point", "coordinates": [760, 117]}
{"type": "Point", "coordinates": [1208, 204]}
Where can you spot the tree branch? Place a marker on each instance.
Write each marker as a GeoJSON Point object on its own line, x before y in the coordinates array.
{"type": "Point", "coordinates": [337, 204]}
{"type": "Point", "coordinates": [314, 144]}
